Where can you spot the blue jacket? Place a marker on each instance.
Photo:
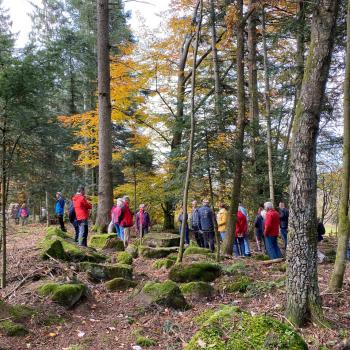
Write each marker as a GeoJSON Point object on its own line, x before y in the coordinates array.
{"type": "Point", "coordinates": [59, 207]}
{"type": "Point", "coordinates": [284, 216]}
{"type": "Point", "coordinates": [205, 218]}
{"type": "Point", "coordinates": [259, 225]}
{"type": "Point", "coordinates": [194, 221]}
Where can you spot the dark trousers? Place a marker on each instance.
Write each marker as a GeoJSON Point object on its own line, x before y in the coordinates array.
{"type": "Point", "coordinates": [272, 247]}
{"type": "Point", "coordinates": [76, 229]}
{"type": "Point", "coordinates": [238, 246]}
{"type": "Point", "coordinates": [199, 238]}
{"type": "Point", "coordinates": [61, 222]}
{"type": "Point", "coordinates": [208, 239]}
{"type": "Point", "coordinates": [83, 232]}
{"type": "Point", "coordinates": [187, 235]}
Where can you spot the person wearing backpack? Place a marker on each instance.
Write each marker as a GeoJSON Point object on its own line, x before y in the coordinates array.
{"type": "Point", "coordinates": [73, 220]}
{"type": "Point", "coordinates": [126, 220]}
{"type": "Point", "coordinates": [116, 214]}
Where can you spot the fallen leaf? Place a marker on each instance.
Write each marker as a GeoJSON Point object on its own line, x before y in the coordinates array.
{"type": "Point", "coordinates": [81, 334]}
{"type": "Point", "coordinates": [53, 334]}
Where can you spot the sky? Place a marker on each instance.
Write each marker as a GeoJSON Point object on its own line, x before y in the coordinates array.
{"type": "Point", "coordinates": [19, 10]}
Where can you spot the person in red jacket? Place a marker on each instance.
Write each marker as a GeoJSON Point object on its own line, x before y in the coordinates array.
{"type": "Point", "coordinates": [240, 232]}
{"type": "Point", "coordinates": [126, 220]}
{"type": "Point", "coordinates": [272, 226]}
{"type": "Point", "coordinates": [82, 207]}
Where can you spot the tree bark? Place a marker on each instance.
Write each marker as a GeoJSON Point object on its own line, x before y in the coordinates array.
{"type": "Point", "coordinates": [192, 133]}
{"type": "Point", "coordinates": [303, 298]}
{"type": "Point", "coordinates": [239, 137]}
{"type": "Point", "coordinates": [337, 278]}
{"type": "Point", "coordinates": [3, 208]}
{"type": "Point", "coordinates": [268, 110]}
{"type": "Point", "coordinates": [105, 190]}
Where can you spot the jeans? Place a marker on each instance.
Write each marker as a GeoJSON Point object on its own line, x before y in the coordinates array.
{"type": "Point", "coordinates": [61, 222]}
{"type": "Point", "coordinates": [222, 235]}
{"type": "Point", "coordinates": [272, 247]}
{"type": "Point", "coordinates": [246, 247]}
{"type": "Point", "coordinates": [238, 246]}
{"type": "Point", "coordinates": [120, 232]}
{"type": "Point", "coordinates": [208, 238]}
{"type": "Point", "coordinates": [199, 238]}
{"type": "Point", "coordinates": [83, 232]}
{"type": "Point", "coordinates": [76, 228]}
{"type": "Point", "coordinates": [284, 234]}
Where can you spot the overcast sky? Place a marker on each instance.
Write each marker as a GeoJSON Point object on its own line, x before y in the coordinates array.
{"type": "Point", "coordinates": [19, 10]}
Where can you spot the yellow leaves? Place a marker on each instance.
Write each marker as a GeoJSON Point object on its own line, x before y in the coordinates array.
{"type": "Point", "coordinates": [231, 17]}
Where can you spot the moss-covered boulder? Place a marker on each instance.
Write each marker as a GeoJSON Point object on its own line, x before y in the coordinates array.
{"type": "Point", "coordinates": [52, 247]}
{"type": "Point", "coordinates": [200, 271]}
{"type": "Point", "coordinates": [241, 284]}
{"type": "Point", "coordinates": [163, 263]}
{"type": "Point", "coordinates": [133, 250]}
{"type": "Point", "coordinates": [156, 253]}
{"type": "Point", "coordinates": [197, 290]}
{"type": "Point", "coordinates": [99, 272]}
{"type": "Point", "coordinates": [106, 241]}
{"type": "Point", "coordinates": [12, 329]}
{"type": "Point", "coordinates": [166, 294]}
{"type": "Point", "coordinates": [124, 258]}
{"type": "Point", "coordinates": [193, 250]}
{"type": "Point", "coordinates": [161, 239]}
{"type": "Point", "coordinates": [55, 231]}
{"type": "Point", "coordinates": [65, 294]}
{"type": "Point", "coordinates": [119, 284]}
{"type": "Point", "coordinates": [231, 329]}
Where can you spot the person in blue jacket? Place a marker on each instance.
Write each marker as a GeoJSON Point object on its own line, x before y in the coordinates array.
{"type": "Point", "coordinates": [206, 219]}
{"type": "Point", "coordinates": [59, 210]}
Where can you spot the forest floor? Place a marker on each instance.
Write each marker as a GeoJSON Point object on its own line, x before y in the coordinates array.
{"type": "Point", "coordinates": [110, 320]}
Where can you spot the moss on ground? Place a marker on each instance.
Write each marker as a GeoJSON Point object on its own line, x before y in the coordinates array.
{"type": "Point", "coordinates": [99, 272]}
{"type": "Point", "coordinates": [156, 253]}
{"type": "Point", "coordinates": [197, 289]}
{"type": "Point", "coordinates": [145, 341]}
{"type": "Point", "coordinates": [261, 257]}
{"type": "Point", "coordinates": [192, 250]}
{"type": "Point", "coordinates": [132, 249]}
{"type": "Point", "coordinates": [201, 271]}
{"type": "Point", "coordinates": [55, 231]}
{"type": "Point", "coordinates": [163, 263]}
{"type": "Point", "coordinates": [124, 258]}
{"type": "Point", "coordinates": [240, 285]}
{"type": "Point", "coordinates": [20, 313]}
{"type": "Point", "coordinates": [106, 241]}
{"type": "Point", "coordinates": [260, 287]}
{"type": "Point", "coordinates": [231, 329]}
{"type": "Point", "coordinates": [119, 284]}
{"type": "Point", "coordinates": [238, 268]}
{"type": "Point", "coordinates": [11, 329]}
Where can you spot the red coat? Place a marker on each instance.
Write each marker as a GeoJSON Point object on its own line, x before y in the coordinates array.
{"type": "Point", "coordinates": [272, 223]}
{"type": "Point", "coordinates": [241, 225]}
{"type": "Point", "coordinates": [81, 207]}
{"type": "Point", "coordinates": [126, 216]}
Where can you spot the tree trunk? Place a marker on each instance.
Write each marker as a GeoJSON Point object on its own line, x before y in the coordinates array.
{"type": "Point", "coordinates": [105, 190]}
{"type": "Point", "coordinates": [3, 209]}
{"type": "Point", "coordinates": [47, 208]}
{"type": "Point", "coordinates": [303, 298]}
{"type": "Point", "coordinates": [190, 150]}
{"type": "Point", "coordinates": [268, 110]}
{"type": "Point", "coordinates": [336, 282]}
{"type": "Point", "coordinates": [239, 137]}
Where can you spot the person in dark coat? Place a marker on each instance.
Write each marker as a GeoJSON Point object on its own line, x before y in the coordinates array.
{"type": "Point", "coordinates": [284, 217]}
{"type": "Point", "coordinates": [180, 220]}
{"type": "Point", "coordinates": [142, 221]}
{"type": "Point", "coordinates": [259, 229]}
{"type": "Point", "coordinates": [194, 225]}
{"type": "Point", "coordinates": [206, 219]}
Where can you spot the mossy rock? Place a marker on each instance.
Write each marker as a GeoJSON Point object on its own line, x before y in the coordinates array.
{"type": "Point", "coordinates": [163, 263]}
{"type": "Point", "coordinates": [162, 239]}
{"type": "Point", "coordinates": [240, 285]}
{"type": "Point", "coordinates": [172, 256]}
{"type": "Point", "coordinates": [12, 329]}
{"type": "Point", "coordinates": [66, 294]}
{"type": "Point", "coordinates": [99, 272]}
{"type": "Point", "coordinates": [200, 271]}
{"type": "Point", "coordinates": [193, 250]}
{"type": "Point", "coordinates": [167, 294]}
{"type": "Point", "coordinates": [156, 253]}
{"type": "Point", "coordinates": [119, 284]}
{"type": "Point", "coordinates": [106, 241]}
{"type": "Point", "coordinates": [231, 329]}
{"type": "Point", "coordinates": [197, 290]}
{"type": "Point", "coordinates": [55, 231]}
{"type": "Point", "coordinates": [124, 258]}
{"type": "Point", "coordinates": [52, 248]}
{"type": "Point", "coordinates": [133, 250]}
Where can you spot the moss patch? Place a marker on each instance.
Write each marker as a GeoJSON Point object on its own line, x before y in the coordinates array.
{"type": "Point", "coordinates": [124, 258]}
{"type": "Point", "coordinates": [197, 289]}
{"type": "Point", "coordinates": [156, 253]}
{"type": "Point", "coordinates": [55, 231]}
{"type": "Point", "coordinates": [99, 272]}
{"type": "Point", "coordinates": [201, 271]}
{"type": "Point", "coordinates": [231, 329]}
{"type": "Point", "coordinates": [64, 294]}
{"type": "Point", "coordinates": [241, 284]}
{"type": "Point", "coordinates": [192, 250]}
{"type": "Point", "coordinates": [261, 257]}
{"type": "Point", "coordinates": [106, 241]}
{"type": "Point", "coordinates": [20, 313]}
{"type": "Point", "coordinates": [12, 329]}
{"type": "Point", "coordinates": [145, 341]}
{"type": "Point", "coordinates": [132, 249]}
{"type": "Point", "coordinates": [161, 239]}
{"type": "Point", "coordinates": [238, 268]}
{"type": "Point", "coordinates": [163, 263]}
{"type": "Point", "coordinates": [119, 284]}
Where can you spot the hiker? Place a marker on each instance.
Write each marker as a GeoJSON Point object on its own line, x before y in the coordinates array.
{"type": "Point", "coordinates": [246, 239]}
{"type": "Point", "coordinates": [73, 220]}
{"type": "Point", "coordinates": [222, 220]}
{"type": "Point", "coordinates": [180, 219]}
{"type": "Point", "coordinates": [320, 232]}
{"type": "Point", "coordinates": [194, 225]}
{"type": "Point", "coordinates": [240, 232]}
{"type": "Point", "coordinates": [23, 214]}
{"type": "Point", "coordinates": [259, 229]}
{"type": "Point", "coordinates": [142, 221]}
{"type": "Point", "coordinates": [284, 216]}
{"type": "Point", "coordinates": [82, 207]}
{"type": "Point", "coordinates": [271, 230]}
{"type": "Point", "coordinates": [59, 210]}
{"type": "Point", "coordinates": [116, 214]}
{"type": "Point", "coordinates": [206, 218]}
{"type": "Point", "coordinates": [126, 220]}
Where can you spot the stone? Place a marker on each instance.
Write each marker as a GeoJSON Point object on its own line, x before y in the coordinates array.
{"type": "Point", "coordinates": [132, 250]}
{"type": "Point", "coordinates": [161, 239]}
{"type": "Point", "coordinates": [124, 258]}
{"type": "Point", "coordinates": [106, 241]}
{"type": "Point", "coordinates": [156, 253]}
{"type": "Point", "coordinates": [193, 250]}
{"type": "Point", "coordinates": [99, 272]}
{"type": "Point", "coordinates": [119, 284]}
{"type": "Point", "coordinates": [200, 271]}
{"type": "Point", "coordinates": [163, 263]}
{"type": "Point", "coordinates": [197, 290]}
{"type": "Point", "coordinates": [232, 329]}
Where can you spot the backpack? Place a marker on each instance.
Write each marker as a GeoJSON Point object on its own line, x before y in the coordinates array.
{"type": "Point", "coordinates": [71, 212]}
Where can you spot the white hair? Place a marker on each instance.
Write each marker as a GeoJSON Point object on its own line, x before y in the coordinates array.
{"type": "Point", "coordinates": [119, 201]}
{"type": "Point", "coordinates": [268, 205]}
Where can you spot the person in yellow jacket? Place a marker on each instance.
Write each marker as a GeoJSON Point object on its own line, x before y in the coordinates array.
{"type": "Point", "coordinates": [222, 220]}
